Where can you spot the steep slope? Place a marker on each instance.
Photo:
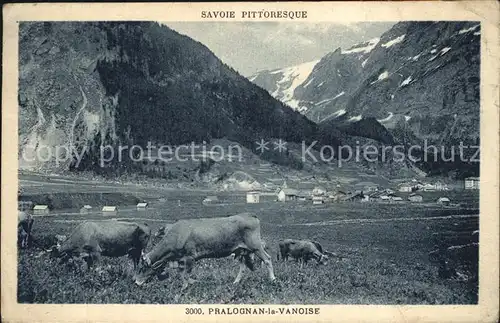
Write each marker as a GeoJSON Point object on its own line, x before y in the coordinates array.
{"type": "Point", "coordinates": [420, 79]}
{"type": "Point", "coordinates": [281, 83]}
{"type": "Point", "coordinates": [84, 85]}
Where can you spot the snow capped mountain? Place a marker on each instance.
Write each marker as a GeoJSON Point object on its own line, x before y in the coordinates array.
{"type": "Point", "coordinates": [285, 81]}
{"type": "Point", "coordinates": [417, 75]}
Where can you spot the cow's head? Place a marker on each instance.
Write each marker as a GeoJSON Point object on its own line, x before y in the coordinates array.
{"type": "Point", "coordinates": [160, 232]}
{"type": "Point", "coordinates": [147, 269]}
{"type": "Point", "coordinates": [323, 259]}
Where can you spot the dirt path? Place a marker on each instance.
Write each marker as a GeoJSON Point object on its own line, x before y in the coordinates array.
{"type": "Point", "coordinates": [331, 222]}
{"type": "Point", "coordinates": [347, 221]}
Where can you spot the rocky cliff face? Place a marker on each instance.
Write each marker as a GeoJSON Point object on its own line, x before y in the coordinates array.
{"type": "Point", "coordinates": [420, 79]}
{"type": "Point", "coordinates": [84, 85]}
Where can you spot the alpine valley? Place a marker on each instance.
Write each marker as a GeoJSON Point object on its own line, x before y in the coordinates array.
{"type": "Point", "coordinates": [89, 84]}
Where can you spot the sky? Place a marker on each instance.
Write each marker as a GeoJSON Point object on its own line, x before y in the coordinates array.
{"type": "Point", "coordinates": [249, 47]}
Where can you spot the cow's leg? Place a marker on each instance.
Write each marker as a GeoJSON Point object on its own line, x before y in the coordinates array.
{"type": "Point", "coordinates": [91, 253]}
{"type": "Point", "coordinates": [135, 255]}
{"type": "Point", "coordinates": [187, 267]}
{"type": "Point", "coordinates": [264, 256]}
{"type": "Point", "coordinates": [240, 273]}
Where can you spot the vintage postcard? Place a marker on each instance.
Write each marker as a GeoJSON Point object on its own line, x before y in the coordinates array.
{"type": "Point", "coordinates": [293, 161]}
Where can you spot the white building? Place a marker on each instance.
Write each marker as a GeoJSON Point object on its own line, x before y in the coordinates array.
{"type": "Point", "coordinates": [317, 199]}
{"type": "Point", "coordinates": [471, 183]}
{"type": "Point", "coordinates": [253, 197]}
{"type": "Point", "coordinates": [41, 210]}
{"type": "Point", "coordinates": [287, 194]}
{"type": "Point", "coordinates": [319, 190]}
{"type": "Point", "coordinates": [443, 201]}
{"type": "Point", "coordinates": [210, 199]}
{"type": "Point", "coordinates": [109, 210]}
{"type": "Point", "coordinates": [86, 209]}
{"type": "Point", "coordinates": [405, 188]}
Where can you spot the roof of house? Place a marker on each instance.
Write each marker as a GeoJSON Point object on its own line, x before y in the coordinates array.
{"type": "Point", "coordinates": [290, 191]}
{"type": "Point", "coordinates": [443, 199]}
{"type": "Point", "coordinates": [473, 178]}
{"type": "Point", "coordinates": [353, 195]}
{"type": "Point", "coordinates": [109, 208]}
{"type": "Point", "coordinates": [142, 204]}
{"type": "Point", "coordinates": [304, 193]}
{"type": "Point", "coordinates": [40, 207]}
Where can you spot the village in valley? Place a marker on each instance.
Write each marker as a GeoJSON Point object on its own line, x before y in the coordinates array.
{"type": "Point", "coordinates": [307, 192]}
{"type": "Point", "coordinates": [410, 191]}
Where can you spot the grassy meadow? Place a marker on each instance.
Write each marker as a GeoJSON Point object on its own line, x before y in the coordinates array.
{"type": "Point", "coordinates": [384, 251]}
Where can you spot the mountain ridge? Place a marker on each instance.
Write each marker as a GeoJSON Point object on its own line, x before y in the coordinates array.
{"type": "Point", "coordinates": [413, 72]}
{"type": "Point", "coordinates": [90, 84]}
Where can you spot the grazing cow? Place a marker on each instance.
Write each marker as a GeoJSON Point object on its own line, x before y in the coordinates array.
{"type": "Point", "coordinates": [160, 233]}
{"type": "Point", "coordinates": [302, 250]}
{"type": "Point", "coordinates": [24, 225]}
{"type": "Point", "coordinates": [191, 240]}
{"type": "Point", "coordinates": [90, 240]}
{"type": "Point", "coordinates": [241, 255]}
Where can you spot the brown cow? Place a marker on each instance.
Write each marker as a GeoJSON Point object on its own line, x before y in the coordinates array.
{"type": "Point", "coordinates": [191, 240]}
{"type": "Point", "coordinates": [302, 250]}
{"type": "Point", "coordinates": [24, 226]}
{"type": "Point", "coordinates": [90, 240]}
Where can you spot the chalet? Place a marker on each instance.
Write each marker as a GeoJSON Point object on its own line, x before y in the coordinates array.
{"type": "Point", "coordinates": [356, 196]}
{"type": "Point", "coordinates": [253, 197]}
{"type": "Point", "coordinates": [142, 206]}
{"type": "Point", "coordinates": [428, 187]}
{"type": "Point", "coordinates": [415, 198]}
{"type": "Point", "coordinates": [41, 210]}
{"type": "Point", "coordinates": [318, 199]}
{"type": "Point", "coordinates": [109, 210]}
{"type": "Point", "coordinates": [440, 186]}
{"type": "Point", "coordinates": [304, 195]}
{"type": "Point", "coordinates": [396, 199]}
{"type": "Point", "coordinates": [339, 195]}
{"type": "Point", "coordinates": [375, 196]}
{"type": "Point", "coordinates": [384, 198]}
{"type": "Point", "coordinates": [86, 209]}
{"type": "Point", "coordinates": [287, 194]}
{"type": "Point", "coordinates": [319, 190]}
{"type": "Point", "coordinates": [443, 201]}
{"type": "Point", "coordinates": [471, 183]}
{"type": "Point", "coordinates": [405, 187]}
{"type": "Point", "coordinates": [211, 199]}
